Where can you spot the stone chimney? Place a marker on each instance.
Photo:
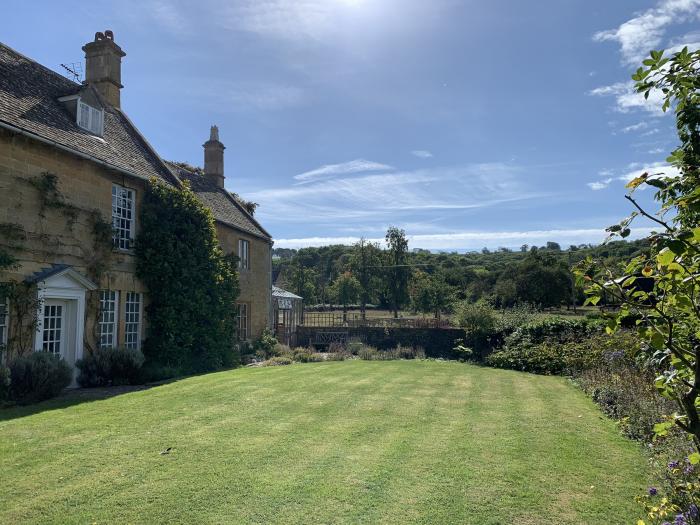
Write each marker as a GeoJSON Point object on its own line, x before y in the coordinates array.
{"type": "Point", "coordinates": [214, 158]}
{"type": "Point", "coordinates": [103, 66]}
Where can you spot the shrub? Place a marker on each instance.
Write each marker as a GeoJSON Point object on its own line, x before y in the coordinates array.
{"type": "Point", "coordinates": [37, 377]}
{"type": "Point", "coordinates": [152, 372]}
{"type": "Point", "coordinates": [277, 361]}
{"type": "Point", "coordinates": [264, 347]}
{"type": "Point", "coordinates": [110, 366]}
{"type": "Point", "coordinates": [550, 356]}
{"type": "Point", "coordinates": [367, 353]}
{"type": "Point", "coordinates": [479, 321]}
{"type": "Point", "coordinates": [334, 356]}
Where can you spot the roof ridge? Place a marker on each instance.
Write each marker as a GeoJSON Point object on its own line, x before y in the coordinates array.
{"type": "Point", "coordinates": [48, 69]}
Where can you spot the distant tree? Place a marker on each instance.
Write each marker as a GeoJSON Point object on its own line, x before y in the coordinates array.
{"type": "Point", "coordinates": [302, 281]}
{"type": "Point", "coordinates": [365, 262]}
{"type": "Point", "coordinates": [397, 270]}
{"type": "Point", "coordinates": [345, 290]}
{"type": "Point", "coordinates": [524, 248]}
{"type": "Point", "coordinates": [553, 246]}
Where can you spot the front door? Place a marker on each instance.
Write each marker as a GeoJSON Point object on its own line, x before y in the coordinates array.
{"type": "Point", "coordinates": [55, 327]}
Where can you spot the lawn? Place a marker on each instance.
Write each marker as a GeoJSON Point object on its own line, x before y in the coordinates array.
{"type": "Point", "coordinates": [336, 442]}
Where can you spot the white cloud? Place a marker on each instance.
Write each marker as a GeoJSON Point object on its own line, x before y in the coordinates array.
{"type": "Point", "coordinates": [635, 127]}
{"type": "Point", "coordinates": [655, 151]}
{"type": "Point", "coordinates": [471, 240]}
{"type": "Point", "coordinates": [344, 168]}
{"type": "Point", "coordinates": [627, 99]}
{"type": "Point", "coordinates": [654, 168]}
{"type": "Point", "coordinates": [599, 185]}
{"type": "Point", "coordinates": [421, 153]}
{"type": "Point", "coordinates": [646, 30]}
{"type": "Point", "coordinates": [650, 132]}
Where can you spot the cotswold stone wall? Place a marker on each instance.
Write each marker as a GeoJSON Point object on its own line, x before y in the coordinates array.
{"type": "Point", "coordinates": [255, 282]}
{"type": "Point", "coordinates": [437, 342]}
{"type": "Point", "coordinates": [39, 235]}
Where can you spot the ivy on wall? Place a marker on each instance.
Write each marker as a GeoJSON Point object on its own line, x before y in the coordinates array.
{"type": "Point", "coordinates": [192, 286]}
{"type": "Point", "coordinates": [21, 296]}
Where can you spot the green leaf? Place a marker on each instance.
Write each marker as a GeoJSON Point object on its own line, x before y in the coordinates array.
{"type": "Point", "coordinates": [694, 458]}
{"type": "Point", "coordinates": [665, 257]}
{"type": "Point", "coordinates": [661, 429]}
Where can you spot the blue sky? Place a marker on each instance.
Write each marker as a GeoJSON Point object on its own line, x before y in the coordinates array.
{"type": "Point", "coordinates": [467, 123]}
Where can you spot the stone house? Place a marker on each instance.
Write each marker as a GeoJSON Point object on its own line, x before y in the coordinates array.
{"type": "Point", "coordinates": [73, 171]}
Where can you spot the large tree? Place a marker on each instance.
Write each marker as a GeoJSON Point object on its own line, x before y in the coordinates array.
{"type": "Point", "coordinates": [397, 269]}
{"type": "Point", "coordinates": [365, 262]}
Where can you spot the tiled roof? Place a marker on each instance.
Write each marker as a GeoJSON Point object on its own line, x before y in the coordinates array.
{"type": "Point", "coordinates": [29, 95]}
{"type": "Point", "coordinates": [224, 206]}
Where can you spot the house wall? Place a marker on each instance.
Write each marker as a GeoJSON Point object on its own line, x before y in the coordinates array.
{"type": "Point", "coordinates": [50, 235]}
{"type": "Point", "coordinates": [256, 287]}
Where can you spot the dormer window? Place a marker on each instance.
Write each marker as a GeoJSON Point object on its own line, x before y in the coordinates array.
{"type": "Point", "coordinates": [90, 119]}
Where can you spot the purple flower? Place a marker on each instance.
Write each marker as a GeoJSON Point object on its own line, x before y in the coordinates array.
{"type": "Point", "coordinates": [673, 464]}
{"type": "Point", "coordinates": [688, 470]}
{"type": "Point", "coordinates": [653, 491]}
{"type": "Point", "coordinates": [693, 510]}
{"type": "Point", "coordinates": [680, 520]}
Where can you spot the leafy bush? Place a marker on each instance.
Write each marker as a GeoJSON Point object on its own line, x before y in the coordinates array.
{"type": "Point", "coordinates": [153, 372]}
{"type": "Point", "coordinates": [264, 347]}
{"type": "Point", "coordinates": [37, 377]}
{"type": "Point", "coordinates": [678, 497]}
{"type": "Point", "coordinates": [110, 366]}
{"type": "Point", "coordinates": [551, 356]}
{"type": "Point", "coordinates": [369, 353]}
{"type": "Point", "coordinates": [334, 356]}
{"type": "Point", "coordinates": [277, 361]}
{"type": "Point", "coordinates": [479, 321]}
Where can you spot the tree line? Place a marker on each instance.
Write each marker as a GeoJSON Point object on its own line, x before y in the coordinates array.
{"type": "Point", "coordinates": [396, 277]}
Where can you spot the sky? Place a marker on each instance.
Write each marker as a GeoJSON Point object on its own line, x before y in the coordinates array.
{"type": "Point", "coordinates": [469, 124]}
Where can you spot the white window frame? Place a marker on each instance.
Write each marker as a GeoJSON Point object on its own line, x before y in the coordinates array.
{"type": "Point", "coordinates": [108, 328]}
{"type": "Point", "coordinates": [133, 316]}
{"type": "Point", "coordinates": [123, 217]}
{"type": "Point", "coordinates": [243, 321]}
{"type": "Point", "coordinates": [90, 118]}
{"type": "Point", "coordinates": [243, 254]}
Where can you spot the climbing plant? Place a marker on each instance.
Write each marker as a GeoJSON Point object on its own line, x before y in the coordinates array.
{"type": "Point", "coordinates": [192, 286]}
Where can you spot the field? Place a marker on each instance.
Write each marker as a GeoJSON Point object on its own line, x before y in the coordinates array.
{"type": "Point", "coordinates": [336, 442]}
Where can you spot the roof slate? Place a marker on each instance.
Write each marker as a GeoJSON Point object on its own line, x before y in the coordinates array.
{"type": "Point", "coordinates": [29, 95]}
{"type": "Point", "coordinates": [224, 206]}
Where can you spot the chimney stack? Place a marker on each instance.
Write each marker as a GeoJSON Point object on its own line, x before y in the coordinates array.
{"type": "Point", "coordinates": [214, 158]}
{"type": "Point", "coordinates": [103, 66]}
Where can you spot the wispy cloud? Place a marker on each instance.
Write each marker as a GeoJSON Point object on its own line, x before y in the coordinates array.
{"type": "Point", "coordinates": [421, 153]}
{"type": "Point", "coordinates": [635, 127]}
{"type": "Point", "coordinates": [400, 194]}
{"type": "Point", "coordinates": [627, 99]}
{"type": "Point", "coordinates": [600, 184]}
{"type": "Point", "coordinates": [344, 168]}
{"type": "Point", "coordinates": [646, 30]}
{"type": "Point", "coordinates": [471, 240]}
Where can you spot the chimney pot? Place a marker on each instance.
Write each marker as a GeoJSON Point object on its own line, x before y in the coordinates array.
{"type": "Point", "coordinates": [103, 66]}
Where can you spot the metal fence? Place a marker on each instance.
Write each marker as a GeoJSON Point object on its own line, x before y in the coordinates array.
{"type": "Point", "coordinates": [355, 320]}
